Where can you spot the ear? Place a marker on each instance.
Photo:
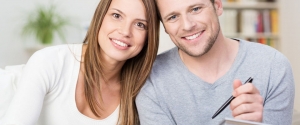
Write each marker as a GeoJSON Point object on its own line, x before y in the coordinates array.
{"type": "Point", "coordinates": [218, 7]}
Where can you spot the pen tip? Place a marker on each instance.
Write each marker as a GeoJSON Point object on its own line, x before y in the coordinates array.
{"type": "Point", "coordinates": [213, 116]}
{"type": "Point", "coordinates": [251, 80]}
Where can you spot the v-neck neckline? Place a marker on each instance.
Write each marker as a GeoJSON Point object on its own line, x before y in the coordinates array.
{"type": "Point", "coordinates": [192, 77]}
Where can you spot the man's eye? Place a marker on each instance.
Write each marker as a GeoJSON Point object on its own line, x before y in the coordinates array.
{"type": "Point", "coordinates": [196, 8]}
{"type": "Point", "coordinates": [172, 17]}
{"type": "Point", "coordinates": [115, 15]}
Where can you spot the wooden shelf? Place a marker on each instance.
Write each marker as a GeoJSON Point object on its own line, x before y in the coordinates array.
{"type": "Point", "coordinates": [236, 10]}
{"type": "Point", "coordinates": [250, 5]}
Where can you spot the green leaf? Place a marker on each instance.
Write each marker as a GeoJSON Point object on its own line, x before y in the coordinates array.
{"type": "Point", "coordinates": [44, 23]}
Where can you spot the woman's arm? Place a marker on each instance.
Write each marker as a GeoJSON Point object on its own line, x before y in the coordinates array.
{"type": "Point", "coordinates": [31, 89]}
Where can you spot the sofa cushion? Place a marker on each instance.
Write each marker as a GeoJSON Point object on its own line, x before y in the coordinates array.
{"type": "Point", "coordinates": [8, 79]}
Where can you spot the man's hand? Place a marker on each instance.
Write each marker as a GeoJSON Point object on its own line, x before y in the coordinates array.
{"type": "Point", "coordinates": [248, 103]}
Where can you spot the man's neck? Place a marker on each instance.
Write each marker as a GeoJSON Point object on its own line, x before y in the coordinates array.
{"type": "Point", "coordinates": [215, 63]}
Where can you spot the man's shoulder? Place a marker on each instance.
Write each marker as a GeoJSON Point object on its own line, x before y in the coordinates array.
{"type": "Point", "coordinates": [166, 67]}
{"type": "Point", "coordinates": [165, 58]}
{"type": "Point", "coordinates": [259, 48]}
{"type": "Point", "coordinates": [165, 62]}
{"type": "Point", "coordinates": [259, 51]}
{"type": "Point", "coordinates": [264, 54]}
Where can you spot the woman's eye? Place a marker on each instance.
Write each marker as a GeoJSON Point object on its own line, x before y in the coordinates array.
{"type": "Point", "coordinates": [141, 25]}
{"type": "Point", "coordinates": [117, 16]}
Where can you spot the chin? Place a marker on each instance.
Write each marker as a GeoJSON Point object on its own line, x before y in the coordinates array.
{"type": "Point", "coordinates": [120, 59]}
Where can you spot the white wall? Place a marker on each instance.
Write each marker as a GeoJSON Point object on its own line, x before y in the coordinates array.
{"type": "Point", "coordinates": [13, 14]}
{"type": "Point", "coordinates": [290, 39]}
{"type": "Point", "coordinates": [165, 42]}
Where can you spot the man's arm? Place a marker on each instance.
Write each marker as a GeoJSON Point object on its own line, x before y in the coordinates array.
{"type": "Point", "coordinates": [279, 101]}
{"type": "Point", "coordinates": [149, 109]}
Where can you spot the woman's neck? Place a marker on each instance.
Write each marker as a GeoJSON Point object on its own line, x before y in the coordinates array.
{"type": "Point", "coordinates": [111, 69]}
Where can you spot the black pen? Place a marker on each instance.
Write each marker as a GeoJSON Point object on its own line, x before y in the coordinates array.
{"type": "Point", "coordinates": [228, 101]}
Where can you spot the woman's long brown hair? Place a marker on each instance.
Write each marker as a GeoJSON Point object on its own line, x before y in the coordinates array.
{"type": "Point", "coordinates": [134, 72]}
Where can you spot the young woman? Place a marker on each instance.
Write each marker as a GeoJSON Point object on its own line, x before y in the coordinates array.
{"type": "Point", "coordinates": [95, 82]}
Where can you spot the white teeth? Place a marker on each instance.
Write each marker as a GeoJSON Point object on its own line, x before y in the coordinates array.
{"type": "Point", "coordinates": [120, 43]}
{"type": "Point", "coordinates": [193, 36]}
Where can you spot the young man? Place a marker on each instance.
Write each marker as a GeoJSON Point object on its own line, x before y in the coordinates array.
{"type": "Point", "coordinates": [190, 82]}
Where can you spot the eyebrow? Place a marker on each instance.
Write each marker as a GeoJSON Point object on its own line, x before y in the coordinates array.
{"type": "Point", "coordinates": [171, 13]}
{"type": "Point", "coordinates": [140, 19]}
{"type": "Point", "coordinates": [174, 12]}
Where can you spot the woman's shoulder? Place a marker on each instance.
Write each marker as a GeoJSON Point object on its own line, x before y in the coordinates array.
{"type": "Point", "coordinates": [58, 53]}
{"type": "Point", "coordinates": [64, 48]}
{"type": "Point", "coordinates": [60, 50]}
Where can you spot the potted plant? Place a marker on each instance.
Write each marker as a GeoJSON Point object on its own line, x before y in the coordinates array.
{"type": "Point", "coordinates": [44, 23]}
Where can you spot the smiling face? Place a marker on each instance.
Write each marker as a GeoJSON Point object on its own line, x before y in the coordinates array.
{"type": "Point", "coordinates": [192, 25]}
{"type": "Point", "coordinates": [124, 29]}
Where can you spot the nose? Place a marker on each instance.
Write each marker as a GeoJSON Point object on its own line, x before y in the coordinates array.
{"type": "Point", "coordinates": [188, 23]}
{"type": "Point", "coordinates": [125, 29]}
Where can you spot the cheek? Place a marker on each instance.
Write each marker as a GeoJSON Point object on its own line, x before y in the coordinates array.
{"type": "Point", "coordinates": [105, 30]}
{"type": "Point", "coordinates": [140, 37]}
{"type": "Point", "coordinates": [139, 42]}
{"type": "Point", "coordinates": [100, 35]}
{"type": "Point", "coordinates": [172, 29]}
{"type": "Point", "coordinates": [106, 27]}
{"type": "Point", "coordinates": [101, 32]}
{"type": "Point", "coordinates": [214, 24]}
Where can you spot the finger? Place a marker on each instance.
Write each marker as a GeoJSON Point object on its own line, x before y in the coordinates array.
{"type": "Point", "coordinates": [254, 116]}
{"type": "Point", "coordinates": [246, 89]}
{"type": "Point", "coordinates": [245, 109]}
{"type": "Point", "coordinates": [236, 83]}
{"type": "Point", "coordinates": [241, 104]}
{"type": "Point", "coordinates": [246, 98]}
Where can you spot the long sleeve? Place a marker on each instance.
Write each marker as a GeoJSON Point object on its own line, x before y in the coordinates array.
{"type": "Point", "coordinates": [27, 103]}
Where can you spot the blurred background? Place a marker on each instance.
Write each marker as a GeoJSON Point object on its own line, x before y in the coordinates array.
{"type": "Point", "coordinates": [272, 22]}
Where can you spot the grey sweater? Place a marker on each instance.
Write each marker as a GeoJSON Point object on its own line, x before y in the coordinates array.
{"type": "Point", "coordinates": [174, 95]}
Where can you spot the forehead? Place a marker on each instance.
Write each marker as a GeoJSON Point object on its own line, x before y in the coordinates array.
{"type": "Point", "coordinates": [133, 8]}
{"type": "Point", "coordinates": [167, 6]}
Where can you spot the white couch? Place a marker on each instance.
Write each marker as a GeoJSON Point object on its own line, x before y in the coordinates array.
{"type": "Point", "coordinates": [9, 78]}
